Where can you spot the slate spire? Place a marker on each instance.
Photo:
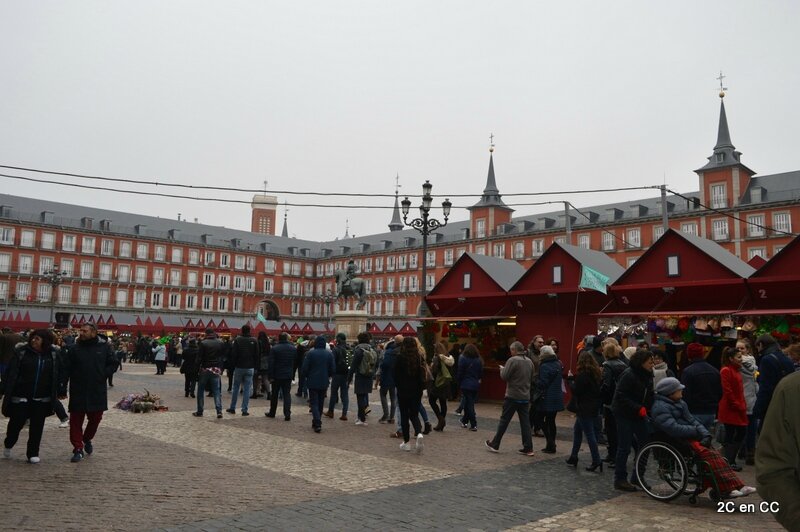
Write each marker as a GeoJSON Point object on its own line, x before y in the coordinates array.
{"type": "Point", "coordinates": [491, 194]}
{"type": "Point", "coordinates": [397, 223]}
{"type": "Point", "coordinates": [285, 231]}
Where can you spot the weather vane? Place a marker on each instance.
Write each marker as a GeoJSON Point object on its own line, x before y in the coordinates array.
{"type": "Point", "coordinates": [722, 88]}
{"type": "Point", "coordinates": [491, 142]}
{"type": "Point", "coordinates": [397, 184]}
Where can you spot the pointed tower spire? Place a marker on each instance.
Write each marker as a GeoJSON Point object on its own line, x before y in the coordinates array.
{"type": "Point", "coordinates": [285, 232]}
{"type": "Point", "coordinates": [725, 154]}
{"type": "Point", "coordinates": [491, 194]}
{"type": "Point", "coordinates": [397, 223]}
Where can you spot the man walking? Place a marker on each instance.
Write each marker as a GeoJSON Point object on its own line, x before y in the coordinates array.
{"type": "Point", "coordinates": [87, 365]}
{"type": "Point", "coordinates": [244, 355]}
{"type": "Point", "coordinates": [210, 366]}
{"type": "Point", "coordinates": [363, 368]}
{"type": "Point", "coordinates": [280, 371]}
{"type": "Point", "coordinates": [318, 367]}
{"type": "Point", "coordinates": [339, 384]}
{"type": "Point", "coordinates": [518, 374]}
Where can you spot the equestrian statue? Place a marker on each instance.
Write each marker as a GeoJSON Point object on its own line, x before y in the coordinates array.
{"type": "Point", "coordinates": [348, 285]}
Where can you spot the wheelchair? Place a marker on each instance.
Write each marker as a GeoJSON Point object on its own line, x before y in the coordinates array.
{"type": "Point", "coordinates": [665, 473]}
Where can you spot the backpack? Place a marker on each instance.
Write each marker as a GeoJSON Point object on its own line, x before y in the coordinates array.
{"type": "Point", "coordinates": [368, 361]}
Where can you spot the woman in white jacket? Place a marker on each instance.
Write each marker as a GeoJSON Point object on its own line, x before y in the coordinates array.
{"type": "Point", "coordinates": [748, 371]}
{"type": "Point", "coordinates": [437, 395]}
{"type": "Point", "coordinates": [160, 352]}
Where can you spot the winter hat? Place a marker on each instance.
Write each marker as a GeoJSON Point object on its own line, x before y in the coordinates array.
{"type": "Point", "coordinates": [629, 351]}
{"type": "Point", "coordinates": [320, 342]}
{"type": "Point", "coordinates": [695, 350]}
{"type": "Point", "coordinates": [342, 337]}
{"type": "Point", "coordinates": [668, 386]}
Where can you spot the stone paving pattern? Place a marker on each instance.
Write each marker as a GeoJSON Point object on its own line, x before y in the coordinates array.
{"type": "Point", "coordinates": [171, 471]}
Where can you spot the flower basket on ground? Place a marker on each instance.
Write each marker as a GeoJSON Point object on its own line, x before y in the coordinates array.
{"type": "Point", "coordinates": [141, 403]}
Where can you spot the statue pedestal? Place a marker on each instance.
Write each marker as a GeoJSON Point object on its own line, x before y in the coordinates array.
{"type": "Point", "coordinates": [350, 322]}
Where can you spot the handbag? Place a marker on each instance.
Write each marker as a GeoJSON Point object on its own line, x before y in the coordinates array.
{"type": "Point", "coordinates": [444, 377]}
{"type": "Point", "coordinates": [572, 406]}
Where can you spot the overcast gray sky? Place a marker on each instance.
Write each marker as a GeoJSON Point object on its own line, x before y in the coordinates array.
{"type": "Point", "coordinates": [340, 96]}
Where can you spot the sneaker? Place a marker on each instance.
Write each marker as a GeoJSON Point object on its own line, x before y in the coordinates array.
{"type": "Point", "coordinates": [491, 448]}
{"type": "Point", "coordinates": [405, 446]}
{"type": "Point", "coordinates": [361, 423]}
{"type": "Point", "coordinates": [231, 411]}
{"type": "Point", "coordinates": [64, 424]}
{"type": "Point", "coordinates": [77, 456]}
{"type": "Point", "coordinates": [464, 425]}
{"type": "Point", "coordinates": [526, 452]}
{"type": "Point", "coordinates": [473, 429]}
{"type": "Point", "coordinates": [33, 460]}
{"type": "Point", "coordinates": [747, 490]}
{"type": "Point", "coordinates": [733, 494]}
{"type": "Point", "coordinates": [419, 446]}
{"type": "Point", "coordinates": [219, 415]}
{"type": "Point", "coordinates": [6, 453]}
{"type": "Point", "coordinates": [88, 447]}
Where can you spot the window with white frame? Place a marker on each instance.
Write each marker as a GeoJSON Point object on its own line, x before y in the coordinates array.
{"type": "Point", "coordinates": [142, 251]}
{"type": "Point", "coordinates": [27, 238]}
{"type": "Point", "coordinates": [480, 228]}
{"type": "Point", "coordinates": [584, 241]}
{"type": "Point", "coordinates": [223, 282]}
{"type": "Point", "coordinates": [107, 247]}
{"type": "Point", "coordinates": [177, 255]}
{"type": "Point", "coordinates": [480, 250]}
{"type": "Point", "coordinates": [296, 268]}
{"type": "Point", "coordinates": [467, 281]}
{"type": "Point", "coordinates": [286, 287]}
{"type": "Point", "coordinates": [537, 247]}
{"type": "Point", "coordinates": [431, 281]}
{"type": "Point", "coordinates": [125, 249]}
{"type": "Point", "coordinates": [413, 260]}
{"type": "Point", "coordinates": [295, 308]}
{"type": "Point", "coordinates": [67, 242]}
{"type": "Point", "coordinates": [719, 197]}
{"type": "Point", "coordinates": [781, 221]}
{"type": "Point", "coordinates": [48, 241]}
{"type": "Point", "coordinates": [238, 282]}
{"type": "Point", "coordinates": [224, 260]}
{"type": "Point", "coordinates": [269, 265]}
{"type": "Point", "coordinates": [238, 304]}
{"type": "Point", "coordinates": [7, 235]}
{"type": "Point", "coordinates": [156, 299]}
{"type": "Point", "coordinates": [103, 296]}
{"type": "Point", "coordinates": [64, 295]}
{"type": "Point", "coordinates": [87, 244]}
{"type": "Point", "coordinates": [378, 264]}
{"type": "Point", "coordinates": [191, 279]}
{"type": "Point", "coordinates": [296, 288]}
{"type": "Point", "coordinates": [367, 265]}
{"type": "Point", "coordinates": [413, 283]}
{"type": "Point", "coordinates": [519, 250]}
{"type": "Point", "coordinates": [141, 274]}
{"type": "Point", "coordinates": [87, 269]}
{"type": "Point", "coordinates": [448, 257]}
{"type": "Point", "coordinates": [287, 268]}
{"type": "Point", "coordinates": [250, 284]}
{"type": "Point", "coordinates": [139, 298]}
{"type": "Point", "coordinates": [634, 237]}
{"type": "Point", "coordinates": [175, 277]}
{"type": "Point", "coordinates": [174, 301]}
{"type": "Point", "coordinates": [238, 262]}
{"type": "Point", "coordinates": [105, 271]}
{"type": "Point", "coordinates": [390, 263]}
{"type": "Point", "coordinates": [368, 286]}
{"type": "Point", "coordinates": [43, 292]}
{"type": "Point", "coordinates": [5, 262]}
{"type": "Point", "coordinates": [84, 295]}
{"type": "Point", "coordinates": [689, 228]}
{"type": "Point", "coordinates": [46, 265]}
{"type": "Point", "coordinates": [402, 262]}
{"type": "Point", "coordinates": [191, 301]}
{"type": "Point", "coordinates": [431, 259]}
{"type": "Point", "coordinates": [658, 232]}
{"type": "Point", "coordinates": [269, 286]}
{"type": "Point", "coordinates": [194, 256]}
{"type": "Point", "coordinates": [250, 264]}
{"type": "Point", "coordinates": [378, 308]}
{"type": "Point", "coordinates": [161, 253]}
{"type": "Point", "coordinates": [209, 257]}
{"type": "Point", "coordinates": [401, 307]}
{"type": "Point", "coordinates": [25, 264]}
{"type": "Point", "coordinates": [3, 290]}
{"type": "Point", "coordinates": [123, 273]}
{"type": "Point", "coordinates": [158, 275]}
{"type": "Point", "coordinates": [609, 241]}
{"type": "Point", "coordinates": [68, 267]}
{"type": "Point", "coordinates": [719, 229]}
{"type": "Point", "coordinates": [755, 225]}
{"type": "Point", "coordinates": [208, 303]}
{"type": "Point", "coordinates": [753, 252]}
{"type": "Point", "coordinates": [403, 284]}
{"type": "Point", "coordinates": [378, 285]}
{"type": "Point", "coordinates": [208, 280]}
{"type": "Point", "coordinates": [390, 307]}
{"type": "Point", "coordinates": [390, 284]}
{"type": "Point", "coordinates": [499, 249]}
{"type": "Point", "coordinates": [122, 297]}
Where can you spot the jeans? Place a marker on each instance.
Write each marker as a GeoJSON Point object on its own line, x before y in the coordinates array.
{"type": "Point", "coordinates": [388, 411]}
{"type": "Point", "coordinates": [549, 429]}
{"type": "Point", "coordinates": [207, 377]}
{"type": "Point", "coordinates": [362, 400]}
{"type": "Point", "coordinates": [282, 387]}
{"type": "Point", "coordinates": [339, 388]}
{"type": "Point", "coordinates": [409, 410]}
{"type": "Point", "coordinates": [317, 400]}
{"type": "Point", "coordinates": [470, 396]}
{"type": "Point", "coordinates": [77, 434]}
{"type": "Point", "coordinates": [242, 375]}
{"type": "Point", "coordinates": [510, 406]}
{"type": "Point", "coordinates": [707, 420]}
{"type": "Point", "coordinates": [630, 432]}
{"type": "Point", "coordinates": [36, 411]}
{"type": "Point", "coordinates": [585, 425]}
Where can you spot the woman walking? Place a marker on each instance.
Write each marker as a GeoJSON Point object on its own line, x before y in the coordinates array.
{"type": "Point", "coordinates": [550, 382]}
{"type": "Point", "coordinates": [732, 408]}
{"type": "Point", "coordinates": [470, 370]}
{"type": "Point", "coordinates": [439, 388]}
{"type": "Point", "coordinates": [586, 394]}
{"type": "Point", "coordinates": [30, 387]}
{"type": "Point", "coordinates": [409, 376]}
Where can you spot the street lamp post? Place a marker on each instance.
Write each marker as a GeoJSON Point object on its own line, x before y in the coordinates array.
{"type": "Point", "coordinates": [327, 299]}
{"type": "Point", "coordinates": [54, 277]}
{"type": "Point", "coordinates": [425, 225]}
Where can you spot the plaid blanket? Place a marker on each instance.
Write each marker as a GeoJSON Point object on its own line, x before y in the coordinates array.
{"type": "Point", "coordinates": [727, 480]}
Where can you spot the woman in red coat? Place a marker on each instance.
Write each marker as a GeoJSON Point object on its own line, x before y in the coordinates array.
{"type": "Point", "coordinates": [732, 407]}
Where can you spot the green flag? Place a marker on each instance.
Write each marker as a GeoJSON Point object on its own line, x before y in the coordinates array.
{"type": "Point", "coordinates": [260, 317]}
{"type": "Point", "coordinates": [593, 280]}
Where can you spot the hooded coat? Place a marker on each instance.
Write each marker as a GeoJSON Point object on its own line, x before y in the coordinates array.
{"type": "Point", "coordinates": [87, 365]}
{"type": "Point", "coordinates": [748, 371]}
{"type": "Point", "coordinates": [550, 383]}
{"type": "Point", "coordinates": [318, 366]}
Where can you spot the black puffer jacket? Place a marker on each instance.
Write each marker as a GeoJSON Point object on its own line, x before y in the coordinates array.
{"type": "Point", "coordinates": [634, 391]}
{"type": "Point", "coordinates": [586, 389]}
{"type": "Point", "coordinates": [87, 365]}
{"type": "Point", "coordinates": [28, 358]}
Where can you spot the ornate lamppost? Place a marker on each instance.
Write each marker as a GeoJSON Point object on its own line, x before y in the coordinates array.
{"type": "Point", "coordinates": [327, 298]}
{"type": "Point", "coordinates": [425, 225]}
{"type": "Point", "coordinates": [54, 277]}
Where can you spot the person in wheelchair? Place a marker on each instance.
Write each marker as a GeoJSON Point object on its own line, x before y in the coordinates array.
{"type": "Point", "coordinates": [677, 427]}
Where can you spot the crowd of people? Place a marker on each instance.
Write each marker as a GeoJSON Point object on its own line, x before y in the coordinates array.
{"type": "Point", "coordinates": [620, 398]}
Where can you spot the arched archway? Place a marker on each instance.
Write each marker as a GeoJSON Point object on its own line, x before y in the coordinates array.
{"type": "Point", "coordinates": [269, 310]}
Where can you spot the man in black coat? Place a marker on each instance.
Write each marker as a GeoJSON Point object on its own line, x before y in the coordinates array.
{"type": "Point", "coordinates": [281, 368]}
{"type": "Point", "coordinates": [244, 358]}
{"type": "Point", "coordinates": [210, 360]}
{"type": "Point", "coordinates": [87, 365]}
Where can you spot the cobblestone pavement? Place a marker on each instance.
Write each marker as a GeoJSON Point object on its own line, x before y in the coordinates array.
{"type": "Point", "coordinates": [172, 471]}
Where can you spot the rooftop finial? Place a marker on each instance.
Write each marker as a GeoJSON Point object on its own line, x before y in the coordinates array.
{"type": "Point", "coordinates": [491, 142]}
{"type": "Point", "coordinates": [265, 187]}
{"type": "Point", "coordinates": [397, 184]}
{"type": "Point", "coordinates": [722, 88]}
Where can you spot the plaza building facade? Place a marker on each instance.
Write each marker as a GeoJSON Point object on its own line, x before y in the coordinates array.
{"type": "Point", "coordinates": [146, 266]}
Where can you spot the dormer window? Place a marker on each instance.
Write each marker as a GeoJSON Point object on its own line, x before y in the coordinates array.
{"type": "Point", "coordinates": [720, 157]}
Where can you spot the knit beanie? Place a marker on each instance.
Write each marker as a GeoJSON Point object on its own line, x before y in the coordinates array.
{"type": "Point", "coordinates": [695, 350]}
